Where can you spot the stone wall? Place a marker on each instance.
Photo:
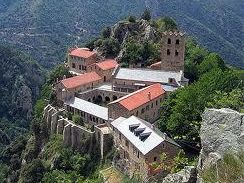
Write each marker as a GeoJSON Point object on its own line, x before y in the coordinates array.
{"type": "Point", "coordinates": [73, 135]}
{"type": "Point", "coordinates": [151, 110]}
{"type": "Point", "coordinates": [104, 138]}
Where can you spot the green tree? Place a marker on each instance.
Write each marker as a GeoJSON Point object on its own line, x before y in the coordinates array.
{"type": "Point", "coordinates": [233, 100]}
{"type": "Point", "coordinates": [166, 24]}
{"type": "Point", "coordinates": [183, 115]}
{"type": "Point", "coordinates": [110, 47]}
{"type": "Point", "coordinates": [180, 161]}
{"type": "Point", "coordinates": [77, 120]}
{"type": "Point", "coordinates": [106, 32]}
{"type": "Point", "coordinates": [132, 19]}
{"type": "Point", "coordinates": [146, 15]}
{"type": "Point", "coordinates": [212, 61]}
{"type": "Point", "coordinates": [33, 172]}
{"type": "Point", "coordinates": [133, 53]}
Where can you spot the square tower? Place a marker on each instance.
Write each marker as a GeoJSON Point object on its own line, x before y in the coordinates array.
{"type": "Point", "coordinates": [173, 51]}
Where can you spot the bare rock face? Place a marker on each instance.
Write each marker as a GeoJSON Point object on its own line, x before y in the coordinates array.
{"type": "Point", "coordinates": [187, 175]}
{"type": "Point", "coordinates": [22, 98]}
{"type": "Point", "coordinates": [222, 130]}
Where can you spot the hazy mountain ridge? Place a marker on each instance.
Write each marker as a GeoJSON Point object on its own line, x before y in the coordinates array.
{"type": "Point", "coordinates": [45, 28]}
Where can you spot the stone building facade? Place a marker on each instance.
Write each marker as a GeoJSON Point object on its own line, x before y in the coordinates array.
{"type": "Point", "coordinates": [80, 58]}
{"type": "Point", "coordinates": [144, 103]}
{"type": "Point", "coordinates": [140, 149]}
{"type": "Point", "coordinates": [66, 88]}
{"type": "Point", "coordinates": [104, 68]}
{"type": "Point", "coordinates": [173, 51]}
{"type": "Point", "coordinates": [129, 80]}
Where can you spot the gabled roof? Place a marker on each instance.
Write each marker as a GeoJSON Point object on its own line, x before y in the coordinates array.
{"type": "Point", "coordinates": [107, 64]}
{"type": "Point", "coordinates": [148, 75]}
{"type": "Point", "coordinates": [80, 80]}
{"type": "Point", "coordinates": [140, 97]}
{"type": "Point", "coordinates": [82, 53]}
{"type": "Point", "coordinates": [144, 146]}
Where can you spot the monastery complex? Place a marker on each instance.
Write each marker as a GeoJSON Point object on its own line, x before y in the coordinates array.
{"type": "Point", "coordinates": [121, 103]}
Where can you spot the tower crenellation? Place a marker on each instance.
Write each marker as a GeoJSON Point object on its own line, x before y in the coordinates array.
{"type": "Point", "coordinates": [173, 51]}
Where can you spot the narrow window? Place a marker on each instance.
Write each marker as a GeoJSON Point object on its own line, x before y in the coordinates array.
{"type": "Point", "coordinates": [169, 41]}
{"type": "Point", "coordinates": [120, 136]}
{"type": "Point", "coordinates": [177, 41]}
{"type": "Point", "coordinates": [147, 107]}
{"type": "Point", "coordinates": [79, 67]}
{"type": "Point", "coordinates": [168, 52]}
{"type": "Point", "coordinates": [176, 53]}
{"type": "Point", "coordinates": [156, 102]}
{"type": "Point", "coordinates": [138, 154]}
{"type": "Point", "coordinates": [73, 65]}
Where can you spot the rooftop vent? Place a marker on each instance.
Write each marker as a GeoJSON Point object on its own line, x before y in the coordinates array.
{"type": "Point", "coordinates": [138, 131]}
{"type": "Point", "coordinates": [133, 127]}
{"type": "Point", "coordinates": [144, 136]}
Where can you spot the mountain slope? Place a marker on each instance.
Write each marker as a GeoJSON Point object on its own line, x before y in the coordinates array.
{"type": "Point", "coordinates": [45, 28]}
{"type": "Point", "coordinates": [20, 80]}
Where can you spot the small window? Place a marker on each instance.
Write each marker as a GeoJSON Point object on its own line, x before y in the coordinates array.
{"type": "Point", "coordinates": [155, 159]}
{"type": "Point", "coordinates": [120, 136]}
{"type": "Point", "coordinates": [136, 113]}
{"type": "Point", "coordinates": [138, 154]}
{"type": "Point", "coordinates": [147, 107]}
{"type": "Point", "coordinates": [152, 105]}
{"type": "Point", "coordinates": [79, 67]}
{"type": "Point", "coordinates": [73, 65]}
{"type": "Point", "coordinates": [169, 41]}
{"type": "Point", "coordinates": [168, 52]}
{"type": "Point", "coordinates": [156, 102]}
{"type": "Point", "coordinates": [124, 83]}
{"type": "Point", "coordinates": [171, 80]}
{"type": "Point", "coordinates": [176, 53]}
{"type": "Point", "coordinates": [142, 110]}
{"type": "Point", "coordinates": [177, 41]}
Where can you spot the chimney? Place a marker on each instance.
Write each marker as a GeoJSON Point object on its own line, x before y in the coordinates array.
{"type": "Point", "coordinates": [149, 95]}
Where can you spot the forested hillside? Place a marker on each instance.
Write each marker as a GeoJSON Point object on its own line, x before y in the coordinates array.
{"type": "Point", "coordinates": [39, 157]}
{"type": "Point", "coordinates": [20, 80]}
{"type": "Point", "coordinates": [46, 28]}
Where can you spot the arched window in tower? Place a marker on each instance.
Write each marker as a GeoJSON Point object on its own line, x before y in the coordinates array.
{"type": "Point", "coordinates": [169, 41]}
{"type": "Point", "coordinates": [176, 53]}
{"type": "Point", "coordinates": [168, 52]}
{"type": "Point", "coordinates": [177, 41]}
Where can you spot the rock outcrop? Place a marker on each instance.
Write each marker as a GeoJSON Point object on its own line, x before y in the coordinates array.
{"type": "Point", "coordinates": [187, 175]}
{"type": "Point", "coordinates": [222, 130]}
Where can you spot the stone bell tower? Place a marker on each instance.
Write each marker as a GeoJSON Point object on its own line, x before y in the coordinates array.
{"type": "Point", "coordinates": [173, 51]}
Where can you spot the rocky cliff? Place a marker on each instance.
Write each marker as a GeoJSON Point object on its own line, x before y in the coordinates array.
{"type": "Point", "coordinates": [222, 131]}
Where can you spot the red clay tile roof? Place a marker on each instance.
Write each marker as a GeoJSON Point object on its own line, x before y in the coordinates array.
{"type": "Point", "coordinates": [80, 80]}
{"type": "Point", "coordinates": [140, 97]}
{"type": "Point", "coordinates": [82, 53]}
{"type": "Point", "coordinates": [107, 64]}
